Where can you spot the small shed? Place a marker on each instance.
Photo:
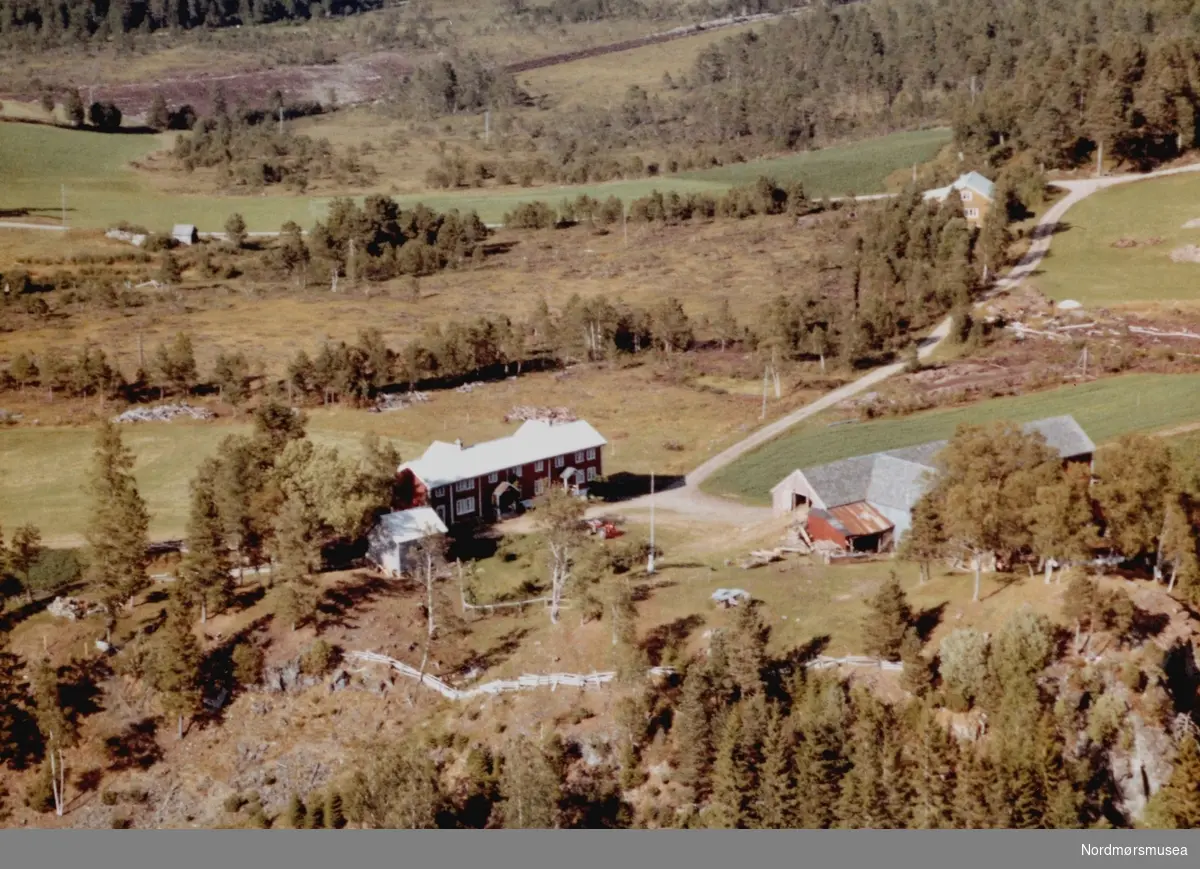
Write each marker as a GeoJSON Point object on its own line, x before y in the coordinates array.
{"type": "Point", "coordinates": [391, 541]}
{"type": "Point", "coordinates": [185, 233]}
{"type": "Point", "coordinates": [856, 527]}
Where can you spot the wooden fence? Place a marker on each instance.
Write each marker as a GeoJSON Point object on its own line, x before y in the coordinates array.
{"type": "Point", "coordinates": [574, 680]}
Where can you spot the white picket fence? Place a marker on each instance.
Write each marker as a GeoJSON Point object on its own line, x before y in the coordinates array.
{"type": "Point", "coordinates": [573, 680]}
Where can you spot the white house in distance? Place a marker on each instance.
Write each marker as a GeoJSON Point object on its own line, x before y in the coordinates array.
{"type": "Point", "coordinates": [391, 541]}
{"type": "Point", "coordinates": [975, 192]}
{"type": "Point", "coordinates": [185, 233]}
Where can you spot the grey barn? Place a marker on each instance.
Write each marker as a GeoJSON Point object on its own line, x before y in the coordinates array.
{"type": "Point", "coordinates": [891, 482]}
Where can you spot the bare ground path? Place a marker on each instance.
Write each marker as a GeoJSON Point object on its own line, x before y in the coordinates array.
{"type": "Point", "coordinates": [690, 501]}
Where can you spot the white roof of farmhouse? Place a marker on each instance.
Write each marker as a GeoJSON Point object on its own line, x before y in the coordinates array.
{"type": "Point", "coordinates": [405, 526]}
{"type": "Point", "coordinates": [535, 440]}
{"type": "Point", "coordinates": [969, 181]}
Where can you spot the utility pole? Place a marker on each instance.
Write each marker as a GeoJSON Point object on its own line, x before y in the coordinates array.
{"type": "Point", "coordinates": [972, 90]}
{"type": "Point", "coordinates": [281, 120]}
{"type": "Point", "coordinates": [763, 414]}
{"type": "Point", "coordinates": [650, 559]}
{"type": "Point", "coordinates": [64, 205]}
{"type": "Point", "coordinates": [487, 126]}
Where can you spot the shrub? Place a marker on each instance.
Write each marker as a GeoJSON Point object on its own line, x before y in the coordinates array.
{"type": "Point", "coordinates": [54, 570]}
{"type": "Point", "coordinates": [233, 803]}
{"type": "Point", "coordinates": [963, 665]}
{"type": "Point", "coordinates": [120, 821]}
{"type": "Point", "coordinates": [247, 663]}
{"type": "Point", "coordinates": [40, 796]}
{"type": "Point", "coordinates": [109, 798]}
{"type": "Point", "coordinates": [319, 659]}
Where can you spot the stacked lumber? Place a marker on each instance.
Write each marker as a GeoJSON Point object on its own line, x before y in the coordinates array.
{"type": "Point", "coordinates": [387, 401]}
{"type": "Point", "coordinates": [760, 557]}
{"type": "Point", "coordinates": [551, 415]}
{"type": "Point", "coordinates": [163, 413]}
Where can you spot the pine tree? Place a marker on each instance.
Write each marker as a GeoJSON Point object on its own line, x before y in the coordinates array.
{"type": "Point", "coordinates": [887, 620]}
{"type": "Point", "coordinates": [776, 806]}
{"type": "Point", "coordinates": [297, 813]}
{"type": "Point", "coordinates": [24, 551]}
{"type": "Point", "coordinates": [747, 649]}
{"type": "Point", "coordinates": [395, 787]}
{"type": "Point", "coordinates": [235, 231]}
{"type": "Point", "coordinates": [728, 807]}
{"type": "Point", "coordinates": [297, 555]}
{"type": "Point", "coordinates": [691, 731]}
{"type": "Point", "coordinates": [821, 762]}
{"type": "Point", "coordinates": [74, 108]}
{"type": "Point", "coordinates": [117, 529]}
{"type": "Point", "coordinates": [204, 573]}
{"type": "Point", "coordinates": [159, 116]}
{"type": "Point", "coordinates": [177, 664]}
{"type": "Point", "coordinates": [530, 788]}
{"type": "Point", "coordinates": [933, 781]}
{"type": "Point", "coordinates": [335, 815]}
{"type": "Point", "coordinates": [1177, 804]}
{"type": "Point", "coordinates": [973, 785]}
{"type": "Point", "coordinates": [316, 814]}
{"type": "Point", "coordinates": [916, 677]}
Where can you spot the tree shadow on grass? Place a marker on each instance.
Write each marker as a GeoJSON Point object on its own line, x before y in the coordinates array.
{"type": "Point", "coordinates": [1004, 581]}
{"type": "Point", "coordinates": [135, 747]}
{"type": "Point", "coordinates": [778, 673]}
{"type": "Point", "coordinates": [927, 620]}
{"type": "Point", "coordinates": [339, 601]}
{"type": "Point", "coordinates": [667, 640]}
{"type": "Point", "coordinates": [499, 653]}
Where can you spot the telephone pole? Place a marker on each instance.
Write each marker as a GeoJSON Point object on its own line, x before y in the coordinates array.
{"type": "Point", "coordinates": [64, 205]}
{"type": "Point", "coordinates": [487, 126]}
{"type": "Point", "coordinates": [650, 558]}
{"type": "Point", "coordinates": [281, 120]}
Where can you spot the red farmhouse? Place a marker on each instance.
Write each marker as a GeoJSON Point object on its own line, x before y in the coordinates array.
{"type": "Point", "coordinates": [488, 480]}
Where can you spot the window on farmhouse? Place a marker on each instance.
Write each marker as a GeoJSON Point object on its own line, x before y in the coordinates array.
{"type": "Point", "coordinates": [972, 213]}
{"type": "Point", "coordinates": [439, 491]}
{"type": "Point", "coordinates": [579, 456]}
{"type": "Point", "coordinates": [492, 478]}
{"type": "Point", "coordinates": [539, 466]}
{"type": "Point", "coordinates": [539, 486]}
{"type": "Point", "coordinates": [591, 473]}
{"type": "Point", "coordinates": [464, 506]}
{"type": "Point", "coordinates": [591, 455]}
{"type": "Point", "coordinates": [560, 461]}
{"type": "Point", "coordinates": [517, 471]}
{"type": "Point", "coordinates": [464, 485]}
{"type": "Point", "coordinates": [966, 196]}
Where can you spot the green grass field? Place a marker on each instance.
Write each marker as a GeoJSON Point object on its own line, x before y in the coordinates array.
{"type": "Point", "coordinates": [43, 472]}
{"type": "Point", "coordinates": [1084, 265]}
{"type": "Point", "coordinates": [861, 167]}
{"type": "Point", "coordinates": [102, 189]}
{"type": "Point", "coordinates": [1105, 408]}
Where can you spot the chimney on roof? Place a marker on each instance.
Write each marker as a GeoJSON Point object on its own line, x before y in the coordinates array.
{"type": "Point", "coordinates": [458, 442]}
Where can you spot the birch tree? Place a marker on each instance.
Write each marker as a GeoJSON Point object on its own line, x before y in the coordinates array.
{"type": "Point", "coordinates": [559, 519]}
{"type": "Point", "coordinates": [57, 729]}
{"type": "Point", "coordinates": [989, 475]}
{"type": "Point", "coordinates": [1061, 520]}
